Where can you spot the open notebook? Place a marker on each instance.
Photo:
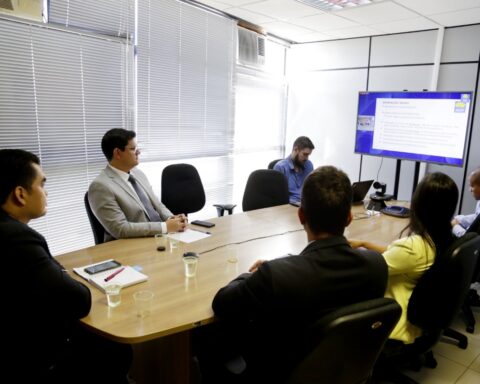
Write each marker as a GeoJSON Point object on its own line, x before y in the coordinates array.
{"type": "Point", "coordinates": [128, 276]}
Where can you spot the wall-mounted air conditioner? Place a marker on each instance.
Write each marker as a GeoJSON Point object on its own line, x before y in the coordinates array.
{"type": "Point", "coordinates": [25, 9]}
{"type": "Point", "coordinates": [251, 48]}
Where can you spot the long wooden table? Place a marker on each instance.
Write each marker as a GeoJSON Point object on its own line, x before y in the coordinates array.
{"type": "Point", "coordinates": [181, 303]}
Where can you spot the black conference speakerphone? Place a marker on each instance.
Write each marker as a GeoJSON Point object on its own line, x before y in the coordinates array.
{"type": "Point", "coordinates": [397, 211]}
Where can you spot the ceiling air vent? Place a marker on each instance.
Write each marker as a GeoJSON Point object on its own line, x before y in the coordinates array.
{"type": "Point", "coordinates": [335, 5]}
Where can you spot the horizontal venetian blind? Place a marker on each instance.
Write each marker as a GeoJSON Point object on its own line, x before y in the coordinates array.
{"type": "Point", "coordinates": [184, 70]}
{"type": "Point", "coordinates": [110, 17]}
{"type": "Point", "coordinates": [60, 92]}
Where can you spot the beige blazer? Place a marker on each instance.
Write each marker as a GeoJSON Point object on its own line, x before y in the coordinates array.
{"type": "Point", "coordinates": [119, 209]}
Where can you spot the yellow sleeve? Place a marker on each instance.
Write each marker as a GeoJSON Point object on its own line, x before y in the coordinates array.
{"type": "Point", "coordinates": [409, 254]}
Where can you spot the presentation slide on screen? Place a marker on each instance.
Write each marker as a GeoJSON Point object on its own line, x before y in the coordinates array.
{"type": "Point", "coordinates": [431, 127]}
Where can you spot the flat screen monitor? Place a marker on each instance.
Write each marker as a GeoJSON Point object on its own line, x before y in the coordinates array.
{"type": "Point", "coordinates": [418, 126]}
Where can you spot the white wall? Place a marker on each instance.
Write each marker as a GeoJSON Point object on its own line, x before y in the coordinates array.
{"type": "Point", "coordinates": [325, 77]}
{"type": "Point", "coordinates": [460, 70]}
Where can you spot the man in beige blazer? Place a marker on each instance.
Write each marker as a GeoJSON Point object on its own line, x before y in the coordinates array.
{"type": "Point", "coordinates": [126, 207]}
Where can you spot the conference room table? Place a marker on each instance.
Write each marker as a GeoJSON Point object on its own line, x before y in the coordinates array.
{"type": "Point", "coordinates": [180, 303]}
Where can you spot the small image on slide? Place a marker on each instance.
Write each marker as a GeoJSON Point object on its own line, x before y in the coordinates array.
{"type": "Point", "coordinates": [365, 123]}
{"type": "Point", "coordinates": [460, 107]}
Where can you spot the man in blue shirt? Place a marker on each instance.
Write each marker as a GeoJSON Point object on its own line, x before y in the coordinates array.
{"type": "Point", "coordinates": [461, 223]}
{"type": "Point", "coordinates": [297, 167]}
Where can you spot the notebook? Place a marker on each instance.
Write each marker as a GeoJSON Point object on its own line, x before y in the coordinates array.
{"type": "Point", "coordinates": [360, 190]}
{"type": "Point", "coordinates": [128, 276]}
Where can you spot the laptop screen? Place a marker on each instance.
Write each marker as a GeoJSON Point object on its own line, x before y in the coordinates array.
{"type": "Point", "coordinates": [360, 190]}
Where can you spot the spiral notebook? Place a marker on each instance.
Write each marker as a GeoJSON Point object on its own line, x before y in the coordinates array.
{"type": "Point", "coordinates": [127, 277]}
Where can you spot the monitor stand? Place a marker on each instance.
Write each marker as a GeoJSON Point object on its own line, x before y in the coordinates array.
{"type": "Point", "coordinates": [377, 202]}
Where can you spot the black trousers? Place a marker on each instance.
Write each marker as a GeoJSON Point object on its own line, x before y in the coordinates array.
{"type": "Point", "coordinates": [237, 353]}
{"type": "Point", "coordinates": [90, 358]}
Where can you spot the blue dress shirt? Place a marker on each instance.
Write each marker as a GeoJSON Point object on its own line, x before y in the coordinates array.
{"type": "Point", "coordinates": [464, 221]}
{"type": "Point", "coordinates": [295, 179]}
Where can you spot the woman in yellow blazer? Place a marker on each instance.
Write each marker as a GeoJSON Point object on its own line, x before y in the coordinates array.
{"type": "Point", "coordinates": [429, 233]}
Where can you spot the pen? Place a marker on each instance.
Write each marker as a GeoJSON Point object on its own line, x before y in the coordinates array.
{"type": "Point", "coordinates": [197, 230]}
{"type": "Point", "coordinates": [110, 277]}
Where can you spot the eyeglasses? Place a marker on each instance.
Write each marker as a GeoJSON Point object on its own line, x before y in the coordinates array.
{"type": "Point", "coordinates": [133, 149]}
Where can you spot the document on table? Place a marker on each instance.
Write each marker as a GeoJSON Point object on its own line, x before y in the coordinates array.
{"type": "Point", "coordinates": [125, 277]}
{"type": "Point", "coordinates": [189, 236]}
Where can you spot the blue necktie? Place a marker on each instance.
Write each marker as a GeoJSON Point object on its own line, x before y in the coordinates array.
{"type": "Point", "coordinates": [152, 213]}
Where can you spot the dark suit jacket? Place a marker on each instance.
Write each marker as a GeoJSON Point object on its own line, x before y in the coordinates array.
{"type": "Point", "coordinates": [41, 302]}
{"type": "Point", "coordinates": [286, 295]}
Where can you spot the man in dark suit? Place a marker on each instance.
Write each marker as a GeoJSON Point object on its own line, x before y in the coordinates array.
{"type": "Point", "coordinates": [125, 207]}
{"type": "Point", "coordinates": [41, 337]}
{"type": "Point", "coordinates": [271, 305]}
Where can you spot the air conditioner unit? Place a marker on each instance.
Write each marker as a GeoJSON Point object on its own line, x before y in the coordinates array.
{"type": "Point", "coordinates": [251, 48]}
{"type": "Point", "coordinates": [31, 9]}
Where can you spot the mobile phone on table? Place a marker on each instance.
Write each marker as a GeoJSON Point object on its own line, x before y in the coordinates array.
{"type": "Point", "coordinates": [102, 267]}
{"type": "Point", "coordinates": [206, 224]}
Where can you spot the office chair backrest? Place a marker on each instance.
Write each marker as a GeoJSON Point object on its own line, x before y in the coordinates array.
{"type": "Point", "coordinates": [265, 188]}
{"type": "Point", "coordinates": [344, 345]}
{"type": "Point", "coordinates": [272, 163]}
{"type": "Point", "coordinates": [182, 189]}
{"type": "Point", "coordinates": [440, 292]}
{"type": "Point", "coordinates": [97, 227]}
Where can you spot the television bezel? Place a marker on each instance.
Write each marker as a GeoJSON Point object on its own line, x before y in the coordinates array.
{"type": "Point", "coordinates": [468, 128]}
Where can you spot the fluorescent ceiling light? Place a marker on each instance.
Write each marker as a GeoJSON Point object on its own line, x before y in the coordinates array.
{"type": "Point", "coordinates": [335, 5]}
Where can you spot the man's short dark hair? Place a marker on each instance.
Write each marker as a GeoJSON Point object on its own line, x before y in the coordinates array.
{"type": "Point", "coordinates": [475, 176]}
{"type": "Point", "coordinates": [116, 138]}
{"type": "Point", "coordinates": [327, 200]}
{"type": "Point", "coordinates": [17, 170]}
{"type": "Point", "coordinates": [303, 142]}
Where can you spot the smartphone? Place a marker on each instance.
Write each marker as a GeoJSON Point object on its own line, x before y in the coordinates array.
{"type": "Point", "coordinates": [102, 267]}
{"type": "Point", "coordinates": [206, 224]}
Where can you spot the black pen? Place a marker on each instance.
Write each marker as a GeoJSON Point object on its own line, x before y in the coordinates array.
{"type": "Point", "coordinates": [197, 230]}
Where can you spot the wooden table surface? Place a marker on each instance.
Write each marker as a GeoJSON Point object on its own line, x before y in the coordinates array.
{"type": "Point", "coordinates": [182, 303]}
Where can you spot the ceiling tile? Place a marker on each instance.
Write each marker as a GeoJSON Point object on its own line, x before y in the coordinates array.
{"type": "Point", "coordinates": [286, 30]}
{"type": "Point", "coordinates": [216, 4]}
{"type": "Point", "coordinates": [354, 32]}
{"type": "Point", "coordinates": [294, 21]}
{"type": "Point", "coordinates": [235, 3]}
{"type": "Point", "coordinates": [324, 22]}
{"type": "Point", "coordinates": [377, 12]}
{"type": "Point", "coordinates": [252, 17]}
{"type": "Point", "coordinates": [417, 24]}
{"type": "Point", "coordinates": [282, 9]}
{"type": "Point", "coordinates": [315, 36]}
{"type": "Point", "coordinates": [429, 7]}
{"type": "Point", "coordinates": [469, 16]}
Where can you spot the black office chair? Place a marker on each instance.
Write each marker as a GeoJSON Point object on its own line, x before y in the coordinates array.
{"type": "Point", "coordinates": [435, 302]}
{"type": "Point", "coordinates": [265, 188]}
{"type": "Point", "coordinates": [272, 163]}
{"type": "Point", "coordinates": [472, 300]}
{"type": "Point", "coordinates": [183, 192]}
{"type": "Point", "coordinates": [97, 227]}
{"type": "Point", "coordinates": [343, 346]}
{"type": "Point", "coordinates": [182, 189]}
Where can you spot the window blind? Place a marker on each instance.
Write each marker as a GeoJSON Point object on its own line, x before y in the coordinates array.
{"type": "Point", "coordinates": [60, 92]}
{"type": "Point", "coordinates": [185, 67]}
{"type": "Point", "coordinates": [109, 17]}
{"type": "Point", "coordinates": [260, 110]}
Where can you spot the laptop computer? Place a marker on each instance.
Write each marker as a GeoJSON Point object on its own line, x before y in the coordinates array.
{"type": "Point", "coordinates": [360, 190]}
